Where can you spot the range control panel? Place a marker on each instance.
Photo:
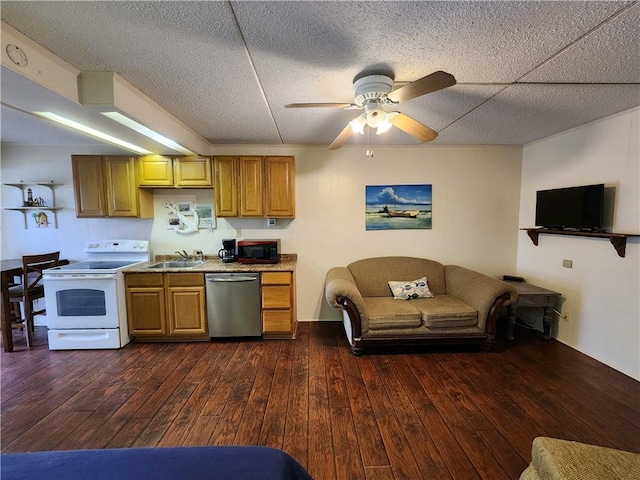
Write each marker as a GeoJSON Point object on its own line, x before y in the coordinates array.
{"type": "Point", "coordinates": [117, 246]}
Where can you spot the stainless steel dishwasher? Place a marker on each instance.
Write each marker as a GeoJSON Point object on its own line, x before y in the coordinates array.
{"type": "Point", "coordinates": [233, 304]}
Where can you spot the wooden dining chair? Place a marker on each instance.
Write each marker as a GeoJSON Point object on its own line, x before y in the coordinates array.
{"type": "Point", "coordinates": [32, 287]}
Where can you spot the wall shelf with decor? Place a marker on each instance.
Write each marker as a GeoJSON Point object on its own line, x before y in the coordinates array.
{"type": "Point", "coordinates": [34, 206]}
{"type": "Point", "coordinates": [618, 240]}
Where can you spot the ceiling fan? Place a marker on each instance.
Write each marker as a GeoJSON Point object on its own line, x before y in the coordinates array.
{"type": "Point", "coordinates": [372, 92]}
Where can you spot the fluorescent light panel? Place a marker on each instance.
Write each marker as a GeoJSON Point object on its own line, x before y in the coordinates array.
{"type": "Point", "coordinates": [132, 124]}
{"type": "Point", "coordinates": [93, 132]}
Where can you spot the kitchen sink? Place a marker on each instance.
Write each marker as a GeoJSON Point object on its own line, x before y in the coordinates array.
{"type": "Point", "coordinates": [177, 264]}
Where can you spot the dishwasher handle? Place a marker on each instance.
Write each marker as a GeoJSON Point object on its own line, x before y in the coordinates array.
{"type": "Point", "coordinates": [231, 279]}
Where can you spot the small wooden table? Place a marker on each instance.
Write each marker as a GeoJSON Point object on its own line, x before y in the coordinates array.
{"type": "Point", "coordinates": [530, 295]}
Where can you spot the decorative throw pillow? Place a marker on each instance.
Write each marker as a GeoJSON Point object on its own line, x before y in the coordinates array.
{"type": "Point", "coordinates": [410, 290]}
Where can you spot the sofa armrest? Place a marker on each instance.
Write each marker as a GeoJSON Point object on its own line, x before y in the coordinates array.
{"type": "Point", "coordinates": [482, 292]}
{"type": "Point", "coordinates": [342, 292]}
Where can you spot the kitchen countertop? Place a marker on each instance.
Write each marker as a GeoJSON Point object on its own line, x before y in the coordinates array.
{"type": "Point", "coordinates": [287, 264]}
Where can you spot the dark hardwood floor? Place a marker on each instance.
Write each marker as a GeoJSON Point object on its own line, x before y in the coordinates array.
{"type": "Point", "coordinates": [422, 413]}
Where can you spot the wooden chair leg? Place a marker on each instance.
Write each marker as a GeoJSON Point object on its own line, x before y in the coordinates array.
{"type": "Point", "coordinates": [16, 314]}
{"type": "Point", "coordinates": [29, 323]}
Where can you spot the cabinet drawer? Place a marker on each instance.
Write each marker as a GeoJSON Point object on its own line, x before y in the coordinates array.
{"type": "Point", "coordinates": [276, 297]}
{"type": "Point", "coordinates": [144, 280]}
{"type": "Point", "coordinates": [276, 278]}
{"type": "Point", "coordinates": [276, 320]}
{"type": "Point", "coordinates": [534, 301]}
{"type": "Point", "coordinates": [185, 279]}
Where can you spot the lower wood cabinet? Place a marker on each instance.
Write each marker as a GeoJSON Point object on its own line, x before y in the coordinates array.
{"type": "Point", "coordinates": [278, 305]}
{"type": "Point", "coordinates": [166, 306]}
{"type": "Point", "coordinates": [172, 306]}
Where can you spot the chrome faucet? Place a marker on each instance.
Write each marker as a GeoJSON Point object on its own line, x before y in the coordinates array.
{"type": "Point", "coordinates": [183, 255]}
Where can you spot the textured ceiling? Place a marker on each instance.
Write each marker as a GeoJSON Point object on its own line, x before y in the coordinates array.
{"type": "Point", "coordinates": [227, 69]}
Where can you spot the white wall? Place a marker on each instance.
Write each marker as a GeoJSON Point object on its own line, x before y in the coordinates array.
{"type": "Point", "coordinates": [46, 163]}
{"type": "Point", "coordinates": [602, 290]}
{"type": "Point", "coordinates": [475, 210]}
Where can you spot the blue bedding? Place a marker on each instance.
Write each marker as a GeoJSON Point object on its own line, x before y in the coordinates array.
{"type": "Point", "coordinates": [181, 463]}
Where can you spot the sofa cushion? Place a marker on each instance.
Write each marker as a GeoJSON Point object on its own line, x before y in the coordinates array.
{"type": "Point", "coordinates": [372, 274]}
{"type": "Point", "coordinates": [410, 290]}
{"type": "Point", "coordinates": [385, 312]}
{"type": "Point", "coordinates": [445, 311]}
{"type": "Point", "coordinates": [555, 459]}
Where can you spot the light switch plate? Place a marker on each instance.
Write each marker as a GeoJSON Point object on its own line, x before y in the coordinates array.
{"type": "Point", "coordinates": [567, 263]}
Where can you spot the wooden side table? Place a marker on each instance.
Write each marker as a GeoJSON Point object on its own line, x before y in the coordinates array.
{"type": "Point", "coordinates": [530, 295]}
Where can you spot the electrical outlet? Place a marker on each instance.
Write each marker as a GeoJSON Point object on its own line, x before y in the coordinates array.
{"type": "Point", "coordinates": [567, 263]}
{"type": "Point", "coordinates": [566, 317]}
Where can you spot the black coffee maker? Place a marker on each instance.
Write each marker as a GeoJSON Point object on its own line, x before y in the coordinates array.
{"type": "Point", "coordinates": [228, 251]}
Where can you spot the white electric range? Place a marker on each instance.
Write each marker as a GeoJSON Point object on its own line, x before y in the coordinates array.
{"type": "Point", "coordinates": [86, 302]}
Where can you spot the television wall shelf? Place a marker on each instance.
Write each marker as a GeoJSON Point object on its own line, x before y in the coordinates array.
{"type": "Point", "coordinates": [28, 210]}
{"type": "Point", "coordinates": [618, 240]}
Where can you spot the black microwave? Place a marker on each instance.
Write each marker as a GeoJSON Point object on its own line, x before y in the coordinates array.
{"type": "Point", "coordinates": [259, 251]}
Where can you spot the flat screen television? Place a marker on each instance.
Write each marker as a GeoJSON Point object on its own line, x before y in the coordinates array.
{"type": "Point", "coordinates": [571, 208]}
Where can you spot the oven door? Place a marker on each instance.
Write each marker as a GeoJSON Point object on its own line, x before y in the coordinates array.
{"type": "Point", "coordinates": [81, 301]}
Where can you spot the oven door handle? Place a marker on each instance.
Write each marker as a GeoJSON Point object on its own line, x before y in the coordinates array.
{"type": "Point", "coordinates": [76, 276]}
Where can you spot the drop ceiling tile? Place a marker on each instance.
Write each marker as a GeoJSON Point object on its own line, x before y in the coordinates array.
{"type": "Point", "coordinates": [525, 113]}
{"type": "Point", "coordinates": [609, 54]}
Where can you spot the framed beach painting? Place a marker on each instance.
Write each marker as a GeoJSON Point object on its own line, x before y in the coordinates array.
{"type": "Point", "coordinates": [398, 207]}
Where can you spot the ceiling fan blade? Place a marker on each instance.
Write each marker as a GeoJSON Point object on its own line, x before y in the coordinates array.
{"type": "Point", "coordinates": [321, 105]}
{"type": "Point", "coordinates": [342, 137]}
{"type": "Point", "coordinates": [412, 127]}
{"type": "Point", "coordinates": [431, 83]}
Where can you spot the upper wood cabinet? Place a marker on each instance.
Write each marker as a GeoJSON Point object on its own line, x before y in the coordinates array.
{"type": "Point", "coordinates": [107, 187]}
{"type": "Point", "coordinates": [192, 172]}
{"type": "Point", "coordinates": [280, 188]}
{"type": "Point", "coordinates": [251, 187]}
{"type": "Point", "coordinates": [179, 172]}
{"type": "Point", "coordinates": [225, 170]}
{"type": "Point", "coordinates": [155, 171]}
{"type": "Point", "coordinates": [254, 186]}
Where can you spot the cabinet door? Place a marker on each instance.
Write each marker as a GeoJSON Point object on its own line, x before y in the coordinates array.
{"type": "Point", "coordinates": [251, 187]}
{"type": "Point", "coordinates": [122, 190]}
{"type": "Point", "coordinates": [155, 171]}
{"type": "Point", "coordinates": [225, 188]}
{"type": "Point", "coordinates": [187, 311]}
{"type": "Point", "coordinates": [88, 186]}
{"type": "Point", "coordinates": [192, 172]}
{"type": "Point", "coordinates": [279, 186]}
{"type": "Point", "coordinates": [146, 310]}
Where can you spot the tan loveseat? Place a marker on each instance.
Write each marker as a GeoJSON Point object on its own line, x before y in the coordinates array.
{"type": "Point", "coordinates": [555, 459]}
{"type": "Point", "coordinates": [463, 308]}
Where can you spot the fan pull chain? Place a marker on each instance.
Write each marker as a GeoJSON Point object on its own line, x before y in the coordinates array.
{"type": "Point", "coordinates": [369, 150]}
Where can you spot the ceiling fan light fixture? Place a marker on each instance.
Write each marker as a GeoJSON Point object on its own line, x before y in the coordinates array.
{"type": "Point", "coordinates": [375, 114]}
{"type": "Point", "coordinates": [384, 127]}
{"type": "Point", "coordinates": [358, 123]}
